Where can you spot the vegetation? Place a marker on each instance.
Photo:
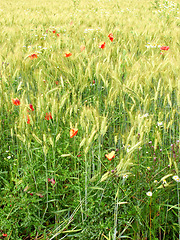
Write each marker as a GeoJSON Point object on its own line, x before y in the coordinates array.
{"type": "Point", "coordinates": [89, 120]}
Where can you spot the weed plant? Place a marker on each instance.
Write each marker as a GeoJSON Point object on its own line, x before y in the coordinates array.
{"type": "Point", "coordinates": [89, 120]}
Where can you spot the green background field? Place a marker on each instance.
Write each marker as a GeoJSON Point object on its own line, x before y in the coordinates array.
{"type": "Point", "coordinates": [123, 98]}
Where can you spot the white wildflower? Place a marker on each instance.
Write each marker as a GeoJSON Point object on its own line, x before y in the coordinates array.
{"type": "Point", "coordinates": [125, 176]}
{"type": "Point", "coordinates": [176, 178]}
{"type": "Point", "coordinates": [149, 194]}
{"type": "Point", "coordinates": [159, 124]}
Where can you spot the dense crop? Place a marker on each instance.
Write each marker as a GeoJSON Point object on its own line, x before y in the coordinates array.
{"type": "Point", "coordinates": [89, 119]}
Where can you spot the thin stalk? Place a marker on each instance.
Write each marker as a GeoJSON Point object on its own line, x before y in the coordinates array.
{"type": "Point", "coordinates": [80, 200]}
{"type": "Point", "coordinates": [86, 173]}
{"type": "Point", "coordinates": [45, 159]}
{"type": "Point", "coordinates": [150, 224]}
{"type": "Point", "coordinates": [99, 154]}
{"type": "Point", "coordinates": [178, 210]}
{"type": "Point", "coordinates": [54, 189]}
{"type": "Point", "coordinates": [93, 164]}
{"type": "Point", "coordinates": [115, 218]}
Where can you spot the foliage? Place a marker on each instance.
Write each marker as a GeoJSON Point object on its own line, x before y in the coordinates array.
{"type": "Point", "coordinates": [89, 120]}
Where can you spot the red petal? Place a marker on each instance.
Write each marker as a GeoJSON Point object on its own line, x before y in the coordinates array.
{"type": "Point", "coordinates": [73, 132]}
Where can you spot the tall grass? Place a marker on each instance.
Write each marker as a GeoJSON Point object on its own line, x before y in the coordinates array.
{"type": "Point", "coordinates": [123, 98]}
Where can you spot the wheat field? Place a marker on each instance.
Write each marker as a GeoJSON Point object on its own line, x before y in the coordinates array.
{"type": "Point", "coordinates": [89, 119]}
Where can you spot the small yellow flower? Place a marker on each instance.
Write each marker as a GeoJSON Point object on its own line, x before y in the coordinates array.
{"type": "Point", "coordinates": [148, 168]}
{"type": "Point", "coordinates": [155, 181]}
{"type": "Point", "coordinates": [164, 181]}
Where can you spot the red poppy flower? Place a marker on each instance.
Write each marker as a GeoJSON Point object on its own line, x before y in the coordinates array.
{"type": "Point", "coordinates": [68, 54]}
{"type": "Point", "coordinates": [165, 48]}
{"type": "Point", "coordinates": [73, 132]}
{"type": "Point", "coordinates": [102, 45]}
{"type": "Point", "coordinates": [4, 234]}
{"type": "Point", "coordinates": [32, 56]}
{"type": "Point", "coordinates": [48, 116]}
{"type": "Point", "coordinates": [110, 36]}
{"type": "Point", "coordinates": [31, 107]}
{"type": "Point", "coordinates": [82, 47]}
{"type": "Point", "coordinates": [54, 31]}
{"type": "Point", "coordinates": [16, 101]}
{"type": "Point", "coordinates": [28, 119]}
{"type": "Point", "coordinates": [110, 155]}
{"type": "Point", "coordinates": [57, 34]}
{"type": "Point", "coordinates": [31, 194]}
{"type": "Point", "coordinates": [51, 180]}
